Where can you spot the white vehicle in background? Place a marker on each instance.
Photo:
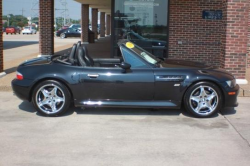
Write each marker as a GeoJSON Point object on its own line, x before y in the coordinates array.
{"type": "Point", "coordinates": [29, 30]}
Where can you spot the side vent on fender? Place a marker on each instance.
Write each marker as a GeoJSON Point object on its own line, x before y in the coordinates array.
{"type": "Point", "coordinates": [203, 72]}
{"type": "Point", "coordinates": [172, 78]}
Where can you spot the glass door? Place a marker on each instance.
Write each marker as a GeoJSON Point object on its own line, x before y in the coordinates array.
{"type": "Point", "coordinates": [144, 22]}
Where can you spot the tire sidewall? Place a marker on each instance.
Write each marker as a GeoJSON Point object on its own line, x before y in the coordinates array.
{"type": "Point", "coordinates": [190, 90]}
{"type": "Point", "coordinates": [63, 88]}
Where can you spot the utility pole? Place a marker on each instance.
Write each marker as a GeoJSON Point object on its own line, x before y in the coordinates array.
{"type": "Point", "coordinates": [34, 9]}
{"type": "Point", "coordinates": [8, 16]}
{"type": "Point", "coordinates": [63, 14]}
{"type": "Point", "coordinates": [22, 11]}
{"type": "Point", "coordinates": [64, 4]}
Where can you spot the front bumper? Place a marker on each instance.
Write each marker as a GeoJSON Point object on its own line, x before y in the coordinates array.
{"type": "Point", "coordinates": [22, 89]}
{"type": "Point", "coordinates": [230, 100]}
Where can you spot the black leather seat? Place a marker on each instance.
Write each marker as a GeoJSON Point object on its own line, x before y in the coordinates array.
{"type": "Point", "coordinates": [78, 45]}
{"type": "Point", "coordinates": [90, 61]}
{"type": "Point", "coordinates": [81, 60]}
{"type": "Point", "coordinates": [72, 54]}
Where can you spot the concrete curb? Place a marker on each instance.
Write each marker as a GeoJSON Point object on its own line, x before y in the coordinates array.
{"type": "Point", "coordinates": [244, 93]}
{"type": "Point", "coordinates": [2, 74]}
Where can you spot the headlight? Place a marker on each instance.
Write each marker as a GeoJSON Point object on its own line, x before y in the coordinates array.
{"type": "Point", "coordinates": [231, 83]}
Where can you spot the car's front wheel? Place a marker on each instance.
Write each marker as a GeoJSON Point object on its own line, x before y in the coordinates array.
{"type": "Point", "coordinates": [203, 99]}
{"type": "Point", "coordinates": [51, 98]}
{"type": "Point", "coordinates": [62, 36]}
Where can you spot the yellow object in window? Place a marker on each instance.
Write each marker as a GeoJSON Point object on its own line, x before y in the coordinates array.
{"type": "Point", "coordinates": [130, 45]}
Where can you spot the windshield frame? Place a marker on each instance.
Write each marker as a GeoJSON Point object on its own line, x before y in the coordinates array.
{"type": "Point", "coordinates": [138, 51]}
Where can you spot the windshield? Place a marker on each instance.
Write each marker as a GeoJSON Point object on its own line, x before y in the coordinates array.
{"type": "Point", "coordinates": [136, 36]}
{"type": "Point", "coordinates": [27, 28]}
{"type": "Point", "coordinates": [142, 53]}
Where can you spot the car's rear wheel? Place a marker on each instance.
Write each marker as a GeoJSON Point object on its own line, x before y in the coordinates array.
{"type": "Point", "coordinates": [203, 99]}
{"type": "Point", "coordinates": [62, 36]}
{"type": "Point", "coordinates": [51, 98]}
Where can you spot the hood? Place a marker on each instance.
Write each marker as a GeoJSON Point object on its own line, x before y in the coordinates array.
{"type": "Point", "coordinates": [201, 67]}
{"type": "Point", "coordinates": [37, 61]}
{"type": "Point", "coordinates": [176, 63]}
{"type": "Point", "coordinates": [156, 42]}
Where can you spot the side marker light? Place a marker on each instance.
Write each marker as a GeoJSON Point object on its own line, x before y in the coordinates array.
{"type": "Point", "coordinates": [231, 93]}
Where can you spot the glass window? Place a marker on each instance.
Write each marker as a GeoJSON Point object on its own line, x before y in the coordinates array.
{"type": "Point", "coordinates": [143, 22]}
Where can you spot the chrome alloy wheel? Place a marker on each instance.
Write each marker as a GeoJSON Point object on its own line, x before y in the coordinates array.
{"type": "Point", "coordinates": [50, 99]}
{"type": "Point", "coordinates": [203, 100]}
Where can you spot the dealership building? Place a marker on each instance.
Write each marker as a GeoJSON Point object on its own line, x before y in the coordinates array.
{"type": "Point", "coordinates": [216, 32]}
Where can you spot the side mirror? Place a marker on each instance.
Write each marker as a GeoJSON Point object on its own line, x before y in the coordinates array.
{"type": "Point", "coordinates": [125, 66]}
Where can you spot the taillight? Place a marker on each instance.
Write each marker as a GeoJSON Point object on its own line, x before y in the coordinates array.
{"type": "Point", "coordinates": [19, 76]}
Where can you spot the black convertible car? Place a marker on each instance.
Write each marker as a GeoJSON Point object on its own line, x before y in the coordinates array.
{"type": "Point", "coordinates": [68, 32]}
{"type": "Point", "coordinates": [137, 79]}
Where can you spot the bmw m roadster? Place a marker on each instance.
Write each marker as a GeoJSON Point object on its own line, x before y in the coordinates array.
{"type": "Point", "coordinates": [136, 79]}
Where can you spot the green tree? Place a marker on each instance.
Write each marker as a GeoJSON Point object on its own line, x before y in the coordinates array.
{"type": "Point", "coordinates": [15, 20]}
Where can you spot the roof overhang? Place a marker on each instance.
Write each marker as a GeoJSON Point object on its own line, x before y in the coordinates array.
{"type": "Point", "coordinates": [101, 5]}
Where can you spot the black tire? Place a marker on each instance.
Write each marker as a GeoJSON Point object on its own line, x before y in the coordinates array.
{"type": "Point", "coordinates": [54, 94]}
{"type": "Point", "coordinates": [62, 35]}
{"type": "Point", "coordinates": [205, 105]}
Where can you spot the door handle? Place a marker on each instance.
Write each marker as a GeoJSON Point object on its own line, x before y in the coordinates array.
{"type": "Point", "coordinates": [93, 75]}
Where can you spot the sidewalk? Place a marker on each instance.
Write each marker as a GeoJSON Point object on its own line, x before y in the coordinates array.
{"type": "Point", "coordinates": [103, 45]}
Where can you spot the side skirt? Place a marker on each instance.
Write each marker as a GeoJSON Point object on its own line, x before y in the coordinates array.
{"type": "Point", "coordinates": [130, 104]}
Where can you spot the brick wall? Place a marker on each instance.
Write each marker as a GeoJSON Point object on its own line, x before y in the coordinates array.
{"type": "Point", "coordinates": [222, 43]}
{"type": "Point", "coordinates": [102, 24]}
{"type": "Point", "coordinates": [235, 38]}
{"type": "Point", "coordinates": [46, 27]}
{"type": "Point", "coordinates": [1, 39]}
{"type": "Point", "coordinates": [85, 23]}
{"type": "Point", "coordinates": [248, 59]}
{"type": "Point", "coordinates": [107, 24]}
{"type": "Point", "coordinates": [190, 36]}
{"type": "Point", "coordinates": [223, 34]}
{"type": "Point", "coordinates": [94, 21]}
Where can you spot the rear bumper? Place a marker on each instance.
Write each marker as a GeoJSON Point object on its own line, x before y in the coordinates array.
{"type": "Point", "coordinates": [26, 32]}
{"type": "Point", "coordinates": [22, 89]}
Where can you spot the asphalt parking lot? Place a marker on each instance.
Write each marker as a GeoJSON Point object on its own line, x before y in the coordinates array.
{"type": "Point", "coordinates": [113, 136]}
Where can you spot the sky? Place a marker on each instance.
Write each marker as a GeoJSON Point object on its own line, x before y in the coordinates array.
{"type": "Point", "coordinates": [19, 7]}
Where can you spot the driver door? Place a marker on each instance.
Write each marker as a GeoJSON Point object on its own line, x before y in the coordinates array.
{"type": "Point", "coordinates": [113, 84]}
